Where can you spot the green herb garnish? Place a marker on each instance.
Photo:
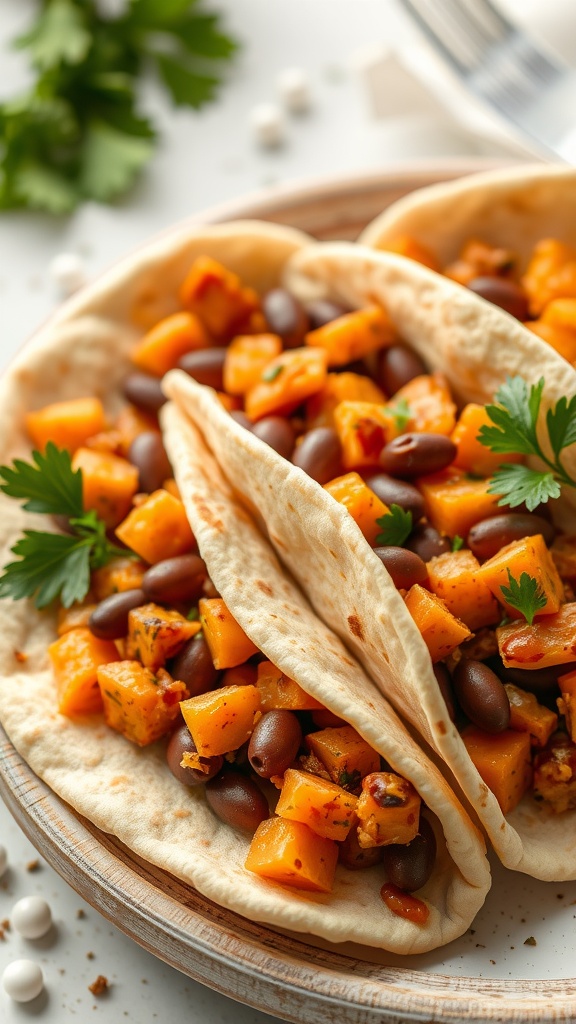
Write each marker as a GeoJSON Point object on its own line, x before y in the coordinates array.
{"type": "Point", "coordinates": [53, 564]}
{"type": "Point", "coordinates": [271, 373]}
{"type": "Point", "coordinates": [525, 595]}
{"type": "Point", "coordinates": [457, 543]}
{"type": "Point", "coordinates": [396, 526]}
{"type": "Point", "coordinates": [401, 412]}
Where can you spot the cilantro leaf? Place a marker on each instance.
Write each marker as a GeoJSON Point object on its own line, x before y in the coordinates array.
{"type": "Point", "coordinates": [457, 543]}
{"type": "Point", "coordinates": [59, 36]}
{"type": "Point", "coordinates": [396, 526]}
{"type": "Point", "coordinates": [50, 564]}
{"type": "Point", "coordinates": [518, 484]}
{"type": "Point", "coordinates": [401, 412]}
{"type": "Point", "coordinates": [203, 38]}
{"type": "Point", "coordinates": [49, 484]}
{"type": "Point", "coordinates": [525, 595]}
{"type": "Point", "coordinates": [515, 416]}
{"type": "Point", "coordinates": [561, 423]}
{"type": "Point", "coordinates": [186, 87]}
{"type": "Point", "coordinates": [110, 160]}
{"type": "Point", "coordinates": [43, 189]}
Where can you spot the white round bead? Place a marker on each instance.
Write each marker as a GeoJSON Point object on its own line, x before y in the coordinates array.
{"type": "Point", "coordinates": [3, 860]}
{"type": "Point", "coordinates": [294, 88]}
{"type": "Point", "coordinates": [31, 917]}
{"type": "Point", "coordinates": [23, 980]}
{"type": "Point", "coordinates": [267, 124]}
{"type": "Point", "coordinates": [67, 271]}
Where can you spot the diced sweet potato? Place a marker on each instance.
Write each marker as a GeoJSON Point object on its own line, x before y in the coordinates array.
{"type": "Point", "coordinates": [453, 576]}
{"type": "Point", "coordinates": [217, 297]}
{"type": "Point", "coordinates": [567, 702]}
{"type": "Point", "coordinates": [75, 617]}
{"type": "Point", "coordinates": [165, 343]}
{"type": "Point", "coordinates": [326, 808]}
{"type": "Point", "coordinates": [550, 274]}
{"type": "Point", "coordinates": [555, 774]}
{"type": "Point", "coordinates": [550, 641]}
{"type": "Point", "coordinates": [346, 756]}
{"type": "Point", "coordinates": [156, 634]}
{"type": "Point", "coordinates": [527, 715]}
{"type": "Point", "coordinates": [388, 810]}
{"type": "Point", "coordinates": [432, 409]}
{"type": "Point", "coordinates": [240, 675]}
{"type": "Point", "coordinates": [455, 503]}
{"type": "Point", "coordinates": [67, 424]}
{"type": "Point", "coordinates": [157, 529]}
{"type": "Point", "coordinates": [108, 484]}
{"type": "Point", "coordinates": [503, 762]}
{"type": "Point", "coordinates": [130, 422]}
{"type": "Point", "coordinates": [75, 659]}
{"type": "Point", "coordinates": [529, 555]}
{"type": "Point", "coordinates": [563, 553]}
{"type": "Point", "coordinates": [363, 505]}
{"type": "Point", "coordinates": [340, 387]}
{"type": "Point", "coordinates": [107, 441]}
{"type": "Point", "coordinates": [119, 575]}
{"type": "Point", "coordinates": [410, 247]}
{"type": "Point", "coordinates": [474, 457]}
{"type": "Point", "coordinates": [138, 703]}
{"type": "Point", "coordinates": [222, 720]}
{"type": "Point", "coordinates": [557, 326]}
{"type": "Point", "coordinates": [363, 428]}
{"type": "Point", "coordinates": [247, 356]}
{"type": "Point", "coordinates": [279, 691]}
{"type": "Point", "coordinates": [480, 259]}
{"type": "Point", "coordinates": [290, 853]}
{"type": "Point", "coordinates": [288, 380]}
{"type": "Point", "coordinates": [228, 643]}
{"type": "Point", "coordinates": [353, 335]}
{"type": "Point", "coordinates": [441, 631]}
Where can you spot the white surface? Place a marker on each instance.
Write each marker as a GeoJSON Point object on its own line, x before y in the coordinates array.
{"type": "Point", "coordinates": [206, 159]}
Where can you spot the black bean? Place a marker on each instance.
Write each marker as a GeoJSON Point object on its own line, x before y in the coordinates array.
{"type": "Point", "coordinates": [274, 743]}
{"type": "Point", "coordinates": [397, 366]}
{"type": "Point", "coordinates": [181, 742]}
{"type": "Point", "coordinates": [194, 667]}
{"type": "Point", "coordinates": [488, 536]}
{"type": "Point", "coordinates": [446, 689]}
{"type": "Point", "coordinates": [405, 567]}
{"type": "Point", "coordinates": [206, 366]}
{"type": "Point", "coordinates": [175, 579]}
{"type": "Point", "coordinates": [148, 454]}
{"type": "Point", "coordinates": [411, 455]}
{"type": "Point", "coordinates": [319, 454]}
{"type": "Point", "coordinates": [482, 696]}
{"type": "Point", "coordinates": [241, 418]}
{"type": "Point", "coordinates": [278, 432]}
{"type": "Point", "coordinates": [109, 620]}
{"type": "Point", "coordinates": [322, 311]}
{"type": "Point", "coordinates": [397, 492]}
{"type": "Point", "coordinates": [427, 542]}
{"type": "Point", "coordinates": [285, 316]}
{"type": "Point", "coordinates": [237, 801]}
{"type": "Point", "coordinates": [144, 391]}
{"type": "Point", "coordinates": [501, 292]}
{"type": "Point", "coordinates": [410, 865]}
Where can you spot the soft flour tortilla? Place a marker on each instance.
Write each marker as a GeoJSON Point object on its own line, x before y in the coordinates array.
{"type": "Point", "coordinates": [127, 791]}
{"type": "Point", "coordinates": [325, 550]}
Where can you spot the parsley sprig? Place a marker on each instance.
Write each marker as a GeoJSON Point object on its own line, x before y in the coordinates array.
{"type": "Point", "coordinates": [525, 595]}
{"type": "Point", "coordinates": [515, 418]}
{"type": "Point", "coordinates": [53, 564]}
{"type": "Point", "coordinates": [78, 132]}
{"type": "Point", "coordinates": [401, 412]}
{"type": "Point", "coordinates": [396, 526]}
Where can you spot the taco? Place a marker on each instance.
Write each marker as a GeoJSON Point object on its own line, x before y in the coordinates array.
{"type": "Point", "coordinates": [331, 553]}
{"type": "Point", "coordinates": [124, 785]}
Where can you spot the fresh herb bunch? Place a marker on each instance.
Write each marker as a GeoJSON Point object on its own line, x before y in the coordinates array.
{"type": "Point", "coordinates": [78, 132]}
{"type": "Point", "coordinates": [515, 416]}
{"type": "Point", "coordinates": [525, 595]}
{"type": "Point", "coordinates": [53, 565]}
{"type": "Point", "coordinates": [396, 526]}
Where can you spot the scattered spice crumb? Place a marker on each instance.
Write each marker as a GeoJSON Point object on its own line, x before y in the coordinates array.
{"type": "Point", "coordinates": [20, 656]}
{"type": "Point", "coordinates": [99, 987]}
{"type": "Point", "coordinates": [480, 945]}
{"type": "Point", "coordinates": [2, 934]}
{"type": "Point", "coordinates": [512, 947]}
{"type": "Point", "coordinates": [492, 961]}
{"type": "Point", "coordinates": [33, 865]}
{"type": "Point", "coordinates": [530, 941]}
{"type": "Point", "coordinates": [90, 955]}
{"type": "Point", "coordinates": [522, 920]}
{"type": "Point", "coordinates": [5, 924]}
{"type": "Point", "coordinates": [144, 981]}
{"type": "Point", "coordinates": [472, 931]}
{"type": "Point", "coordinates": [80, 913]}
{"type": "Point", "coordinates": [559, 895]}
{"type": "Point", "coordinates": [61, 970]}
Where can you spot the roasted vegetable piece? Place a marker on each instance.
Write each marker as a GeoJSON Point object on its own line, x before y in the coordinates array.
{"type": "Point", "coordinates": [503, 762]}
{"type": "Point", "coordinates": [75, 617]}
{"type": "Point", "coordinates": [479, 259]}
{"type": "Point", "coordinates": [228, 643]}
{"type": "Point", "coordinates": [346, 756]}
{"type": "Point", "coordinates": [120, 574]}
{"type": "Point", "coordinates": [326, 808]}
{"type": "Point", "coordinates": [555, 774]}
{"type": "Point", "coordinates": [158, 528]}
{"type": "Point", "coordinates": [108, 484]}
{"type": "Point", "coordinates": [454, 503]}
{"type": "Point", "coordinates": [551, 641]}
{"type": "Point", "coordinates": [472, 456]}
{"type": "Point", "coordinates": [527, 715]}
{"type": "Point", "coordinates": [279, 691]}
{"type": "Point", "coordinates": [130, 422]}
{"type": "Point", "coordinates": [529, 555]}
{"type": "Point", "coordinates": [557, 326]}
{"type": "Point", "coordinates": [222, 720]}
{"type": "Point", "coordinates": [67, 424]}
{"type": "Point", "coordinates": [441, 631]}
{"type": "Point", "coordinates": [353, 335]}
{"type": "Point", "coordinates": [403, 905]}
{"type": "Point", "coordinates": [340, 387]}
{"type": "Point", "coordinates": [217, 297]}
{"type": "Point", "coordinates": [290, 853]}
{"type": "Point", "coordinates": [75, 658]}
{"type": "Point", "coordinates": [430, 404]}
{"type": "Point", "coordinates": [454, 577]}
{"type": "Point", "coordinates": [388, 810]}
{"type": "Point", "coordinates": [140, 704]}
{"type": "Point", "coordinates": [161, 348]}
{"type": "Point", "coordinates": [410, 247]}
{"type": "Point", "coordinates": [567, 702]}
{"type": "Point", "coordinates": [247, 356]}
{"type": "Point", "coordinates": [156, 634]}
{"type": "Point", "coordinates": [363, 428]}
{"type": "Point", "coordinates": [363, 505]}
{"type": "Point", "coordinates": [550, 274]}
{"type": "Point", "coordinates": [287, 381]}
{"type": "Point", "coordinates": [351, 854]}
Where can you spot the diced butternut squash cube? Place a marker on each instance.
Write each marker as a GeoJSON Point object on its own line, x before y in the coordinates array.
{"type": "Point", "coordinates": [222, 720]}
{"type": "Point", "coordinates": [555, 774]}
{"type": "Point", "coordinates": [346, 756]}
{"type": "Point", "coordinates": [240, 675]}
{"type": "Point", "coordinates": [550, 641]}
{"type": "Point", "coordinates": [363, 429]}
{"type": "Point", "coordinates": [217, 297]}
{"type": "Point", "coordinates": [353, 335]}
{"type": "Point", "coordinates": [75, 659]}
{"type": "Point", "coordinates": [157, 529]}
{"type": "Point", "coordinates": [288, 380]}
{"type": "Point", "coordinates": [290, 853]}
{"type": "Point", "coordinates": [454, 503]}
{"type": "Point", "coordinates": [156, 634]}
{"type": "Point", "coordinates": [563, 553]}
{"type": "Point", "coordinates": [550, 274]}
{"type": "Point", "coordinates": [247, 356]}
{"type": "Point", "coordinates": [66, 424]}
{"type": "Point", "coordinates": [480, 259]}
{"type": "Point", "coordinates": [557, 327]}
{"type": "Point", "coordinates": [453, 576]}
{"type": "Point", "coordinates": [162, 347]}
{"type": "Point", "coordinates": [326, 808]}
{"type": "Point", "coordinates": [527, 715]}
{"type": "Point", "coordinates": [529, 555]}
{"type": "Point", "coordinates": [75, 617]}
{"type": "Point", "coordinates": [567, 702]}
{"type": "Point", "coordinates": [430, 404]}
{"type": "Point", "coordinates": [363, 505]}
{"type": "Point", "coordinates": [503, 762]}
{"type": "Point", "coordinates": [279, 691]}
{"type": "Point", "coordinates": [388, 810]}
{"type": "Point", "coordinates": [108, 484]}
{"type": "Point", "coordinates": [410, 247]}
{"type": "Point", "coordinates": [130, 422]}
{"type": "Point", "coordinates": [228, 643]}
{"type": "Point", "coordinates": [474, 457]}
{"type": "Point", "coordinates": [441, 631]}
{"type": "Point", "coordinates": [340, 387]}
{"type": "Point", "coordinates": [119, 575]}
{"type": "Point", "coordinates": [140, 704]}
{"type": "Point", "coordinates": [108, 441]}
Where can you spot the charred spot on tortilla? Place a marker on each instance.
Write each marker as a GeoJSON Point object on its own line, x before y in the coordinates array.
{"type": "Point", "coordinates": [208, 517]}
{"type": "Point", "coordinates": [264, 587]}
{"type": "Point", "coordinates": [441, 728]}
{"type": "Point", "coordinates": [356, 626]}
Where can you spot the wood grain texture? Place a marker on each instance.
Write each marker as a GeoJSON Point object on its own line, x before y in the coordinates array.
{"type": "Point", "coordinates": [275, 972]}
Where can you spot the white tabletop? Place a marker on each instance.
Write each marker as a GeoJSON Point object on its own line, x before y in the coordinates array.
{"type": "Point", "coordinates": [204, 159]}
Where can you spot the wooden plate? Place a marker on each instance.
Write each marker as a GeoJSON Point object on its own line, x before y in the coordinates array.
{"type": "Point", "coordinates": [488, 975]}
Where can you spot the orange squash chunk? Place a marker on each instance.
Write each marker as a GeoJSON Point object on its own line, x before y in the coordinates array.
{"type": "Point", "coordinates": [430, 403]}
{"type": "Point", "coordinates": [130, 422]}
{"type": "Point", "coordinates": [108, 484]}
{"type": "Point", "coordinates": [67, 424]}
{"type": "Point", "coordinates": [161, 348]}
{"type": "Point", "coordinates": [503, 762]}
{"type": "Point", "coordinates": [217, 297]}
{"type": "Point", "coordinates": [441, 631]}
{"type": "Point", "coordinates": [454, 503]}
{"type": "Point", "coordinates": [472, 456]}
{"type": "Point", "coordinates": [363, 505]}
{"type": "Point", "coordinates": [75, 617]}
{"type": "Point", "coordinates": [140, 704]}
{"type": "Point", "coordinates": [388, 810]}
{"type": "Point", "coordinates": [343, 752]}
{"type": "Point", "coordinates": [325, 719]}
{"type": "Point", "coordinates": [75, 659]}
{"type": "Point", "coordinates": [326, 808]}
{"type": "Point", "coordinates": [527, 715]}
{"type": "Point", "coordinates": [222, 720]}
{"type": "Point", "coordinates": [290, 853]}
{"type": "Point", "coordinates": [288, 380]}
{"type": "Point", "coordinates": [156, 634]}
{"type": "Point", "coordinates": [340, 387]}
{"type": "Point", "coordinates": [480, 259]}
{"type": "Point", "coordinates": [228, 643]}
{"type": "Point", "coordinates": [550, 641]}
{"type": "Point", "coordinates": [555, 774]}
{"type": "Point", "coordinates": [550, 274]}
{"type": "Point", "coordinates": [158, 528]}
{"type": "Point", "coordinates": [363, 428]}
{"type": "Point", "coordinates": [412, 249]}
{"type": "Point", "coordinates": [119, 575]}
{"type": "Point", "coordinates": [240, 675]}
{"type": "Point", "coordinates": [353, 335]}
{"type": "Point", "coordinates": [567, 702]}
{"type": "Point", "coordinates": [453, 576]}
{"type": "Point", "coordinates": [278, 691]}
{"type": "Point", "coordinates": [557, 326]}
{"type": "Point", "coordinates": [247, 356]}
{"type": "Point", "coordinates": [528, 555]}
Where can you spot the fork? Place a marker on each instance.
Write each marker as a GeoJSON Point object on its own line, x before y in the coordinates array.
{"type": "Point", "coordinates": [504, 68]}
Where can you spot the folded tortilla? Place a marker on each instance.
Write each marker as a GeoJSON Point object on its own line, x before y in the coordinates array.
{"type": "Point", "coordinates": [324, 549]}
{"type": "Point", "coordinates": [129, 791]}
